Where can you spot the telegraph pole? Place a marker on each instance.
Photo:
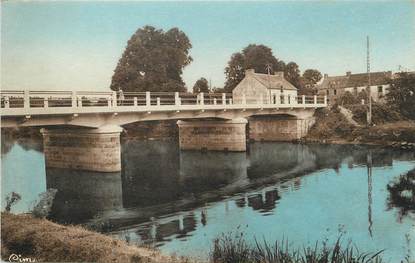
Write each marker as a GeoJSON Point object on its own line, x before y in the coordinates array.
{"type": "Point", "coordinates": [369, 113]}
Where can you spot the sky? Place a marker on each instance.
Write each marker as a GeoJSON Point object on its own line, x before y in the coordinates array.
{"type": "Point", "coordinates": [71, 45]}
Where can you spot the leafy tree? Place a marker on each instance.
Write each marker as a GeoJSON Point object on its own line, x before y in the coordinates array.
{"type": "Point", "coordinates": [253, 56]}
{"type": "Point", "coordinates": [153, 61]}
{"type": "Point", "coordinates": [201, 85]}
{"type": "Point", "coordinates": [292, 74]}
{"type": "Point", "coordinates": [311, 76]}
{"type": "Point", "coordinates": [401, 94]}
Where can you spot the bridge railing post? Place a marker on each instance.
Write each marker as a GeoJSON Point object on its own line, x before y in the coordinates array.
{"type": "Point", "coordinates": [176, 99]}
{"type": "Point", "coordinates": [315, 99]}
{"type": "Point", "coordinates": [114, 99]}
{"type": "Point", "coordinates": [303, 99]}
{"type": "Point", "coordinates": [80, 102]}
{"type": "Point", "coordinates": [202, 98]}
{"type": "Point", "coordinates": [6, 102]}
{"type": "Point", "coordinates": [46, 103]}
{"type": "Point", "coordinates": [26, 99]}
{"type": "Point", "coordinates": [109, 102]}
{"type": "Point", "coordinates": [148, 99]}
{"type": "Point", "coordinates": [230, 101]}
{"type": "Point", "coordinates": [74, 99]}
{"type": "Point", "coordinates": [224, 98]}
{"type": "Point", "coordinates": [214, 101]}
{"type": "Point", "coordinates": [325, 100]}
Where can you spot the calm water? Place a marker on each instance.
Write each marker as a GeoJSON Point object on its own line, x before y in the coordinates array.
{"type": "Point", "coordinates": [180, 201]}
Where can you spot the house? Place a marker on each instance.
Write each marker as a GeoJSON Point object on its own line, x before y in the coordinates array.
{"type": "Point", "coordinates": [271, 88]}
{"type": "Point", "coordinates": [335, 87]}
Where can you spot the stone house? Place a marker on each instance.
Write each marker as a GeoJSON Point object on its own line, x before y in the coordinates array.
{"type": "Point", "coordinates": [271, 88]}
{"type": "Point", "coordinates": [334, 87]}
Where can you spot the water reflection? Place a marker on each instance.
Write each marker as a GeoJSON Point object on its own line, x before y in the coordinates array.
{"type": "Point", "coordinates": [164, 195]}
{"type": "Point", "coordinates": [83, 195]}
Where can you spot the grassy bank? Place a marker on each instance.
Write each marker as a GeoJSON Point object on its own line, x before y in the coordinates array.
{"type": "Point", "coordinates": [45, 241]}
{"type": "Point", "coordinates": [332, 127]}
{"type": "Point", "coordinates": [234, 249]}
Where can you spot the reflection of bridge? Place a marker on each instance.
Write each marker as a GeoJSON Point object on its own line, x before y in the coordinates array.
{"type": "Point", "coordinates": [93, 142]}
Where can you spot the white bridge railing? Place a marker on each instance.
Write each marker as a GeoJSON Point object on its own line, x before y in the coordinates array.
{"type": "Point", "coordinates": [38, 100]}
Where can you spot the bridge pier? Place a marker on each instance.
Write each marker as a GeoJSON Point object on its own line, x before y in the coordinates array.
{"type": "Point", "coordinates": [83, 149]}
{"type": "Point", "coordinates": [215, 135]}
{"type": "Point", "coordinates": [279, 128]}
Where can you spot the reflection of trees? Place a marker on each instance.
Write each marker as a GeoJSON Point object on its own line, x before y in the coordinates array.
{"type": "Point", "coordinates": [402, 194]}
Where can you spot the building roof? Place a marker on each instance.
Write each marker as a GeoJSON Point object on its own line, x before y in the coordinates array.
{"type": "Point", "coordinates": [271, 81]}
{"type": "Point", "coordinates": [355, 80]}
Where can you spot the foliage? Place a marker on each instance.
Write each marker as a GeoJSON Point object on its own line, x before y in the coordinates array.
{"type": "Point", "coordinates": [256, 57]}
{"type": "Point", "coordinates": [312, 76]}
{"type": "Point", "coordinates": [234, 249]}
{"type": "Point", "coordinates": [12, 199]}
{"type": "Point", "coordinates": [201, 85]}
{"type": "Point", "coordinates": [402, 194]}
{"type": "Point", "coordinates": [381, 113]}
{"type": "Point", "coordinates": [306, 84]}
{"type": "Point", "coordinates": [44, 205]}
{"type": "Point", "coordinates": [153, 61]}
{"type": "Point", "coordinates": [401, 94]}
{"type": "Point", "coordinates": [330, 124]}
{"type": "Point", "coordinates": [292, 74]}
{"type": "Point", "coordinates": [347, 98]}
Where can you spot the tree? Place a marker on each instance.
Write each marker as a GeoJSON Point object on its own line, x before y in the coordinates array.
{"type": "Point", "coordinates": [201, 85]}
{"type": "Point", "coordinates": [251, 57]}
{"type": "Point", "coordinates": [153, 61]}
{"type": "Point", "coordinates": [292, 74]}
{"type": "Point", "coordinates": [311, 76]}
{"type": "Point", "coordinates": [401, 95]}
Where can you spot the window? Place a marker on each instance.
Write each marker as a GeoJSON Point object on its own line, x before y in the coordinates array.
{"type": "Point", "coordinates": [380, 89]}
{"type": "Point", "coordinates": [335, 92]}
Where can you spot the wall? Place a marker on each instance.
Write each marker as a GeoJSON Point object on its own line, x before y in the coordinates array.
{"type": "Point", "coordinates": [278, 128]}
{"type": "Point", "coordinates": [217, 135]}
{"type": "Point", "coordinates": [83, 149]}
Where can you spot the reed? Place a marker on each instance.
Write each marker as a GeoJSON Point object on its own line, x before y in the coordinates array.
{"type": "Point", "coordinates": [233, 248]}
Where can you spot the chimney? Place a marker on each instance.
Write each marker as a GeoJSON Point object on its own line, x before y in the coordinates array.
{"type": "Point", "coordinates": [249, 71]}
{"type": "Point", "coordinates": [348, 73]}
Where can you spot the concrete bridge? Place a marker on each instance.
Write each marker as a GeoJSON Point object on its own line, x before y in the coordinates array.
{"type": "Point", "coordinates": [82, 129]}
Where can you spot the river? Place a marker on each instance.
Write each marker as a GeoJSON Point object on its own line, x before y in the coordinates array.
{"type": "Point", "coordinates": [179, 201]}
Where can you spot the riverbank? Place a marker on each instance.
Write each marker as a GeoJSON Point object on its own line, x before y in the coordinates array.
{"type": "Point", "coordinates": [332, 127]}
{"type": "Point", "coordinates": [26, 237]}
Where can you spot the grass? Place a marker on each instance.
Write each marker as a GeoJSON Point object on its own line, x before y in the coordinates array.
{"type": "Point", "coordinates": [234, 249]}
{"type": "Point", "coordinates": [46, 241]}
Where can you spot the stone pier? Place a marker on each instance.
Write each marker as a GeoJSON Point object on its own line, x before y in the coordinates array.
{"type": "Point", "coordinates": [279, 128]}
{"type": "Point", "coordinates": [83, 149]}
{"type": "Point", "coordinates": [215, 135]}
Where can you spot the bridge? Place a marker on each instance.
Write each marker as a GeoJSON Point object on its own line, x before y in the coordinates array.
{"type": "Point", "coordinates": [81, 129]}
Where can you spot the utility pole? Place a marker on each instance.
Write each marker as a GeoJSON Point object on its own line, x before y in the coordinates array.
{"type": "Point", "coordinates": [369, 113]}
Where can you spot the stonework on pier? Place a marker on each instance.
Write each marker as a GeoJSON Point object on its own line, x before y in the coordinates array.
{"type": "Point", "coordinates": [216, 135]}
{"type": "Point", "coordinates": [278, 128]}
{"type": "Point", "coordinates": [84, 149]}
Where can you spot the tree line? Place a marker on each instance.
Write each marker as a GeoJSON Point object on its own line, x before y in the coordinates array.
{"type": "Point", "coordinates": [154, 60]}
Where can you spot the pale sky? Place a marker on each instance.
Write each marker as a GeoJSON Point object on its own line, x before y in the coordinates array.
{"type": "Point", "coordinates": [76, 45]}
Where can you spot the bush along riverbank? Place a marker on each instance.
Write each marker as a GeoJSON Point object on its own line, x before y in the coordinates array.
{"type": "Point", "coordinates": [332, 126]}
